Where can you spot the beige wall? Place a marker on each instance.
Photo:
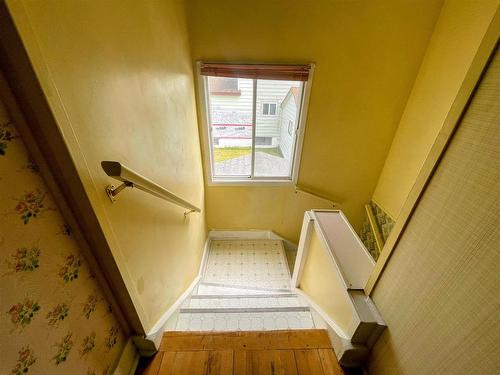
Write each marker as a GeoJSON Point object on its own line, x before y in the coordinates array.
{"type": "Point", "coordinates": [454, 44]}
{"type": "Point", "coordinates": [439, 293]}
{"type": "Point", "coordinates": [118, 77]}
{"type": "Point", "coordinates": [367, 55]}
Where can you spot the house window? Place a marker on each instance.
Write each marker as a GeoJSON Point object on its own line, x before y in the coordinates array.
{"type": "Point", "coordinates": [291, 127]}
{"type": "Point", "coordinates": [248, 135]}
{"type": "Point", "coordinates": [224, 86]}
{"type": "Point", "coordinates": [269, 109]}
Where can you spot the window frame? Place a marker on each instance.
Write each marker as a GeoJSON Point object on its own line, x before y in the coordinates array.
{"type": "Point", "coordinates": [269, 109]}
{"type": "Point", "coordinates": [208, 158]}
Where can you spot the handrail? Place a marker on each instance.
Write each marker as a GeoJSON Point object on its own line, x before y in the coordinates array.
{"type": "Point", "coordinates": [305, 191]}
{"type": "Point", "coordinates": [133, 179]}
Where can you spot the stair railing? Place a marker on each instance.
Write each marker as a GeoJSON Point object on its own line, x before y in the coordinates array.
{"type": "Point", "coordinates": [305, 191]}
{"type": "Point", "coordinates": [130, 178]}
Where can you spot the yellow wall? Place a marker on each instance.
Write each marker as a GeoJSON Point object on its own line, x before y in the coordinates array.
{"type": "Point", "coordinates": [261, 207]}
{"type": "Point", "coordinates": [118, 77]}
{"type": "Point", "coordinates": [323, 284]}
{"type": "Point", "coordinates": [367, 55]}
{"type": "Point", "coordinates": [454, 43]}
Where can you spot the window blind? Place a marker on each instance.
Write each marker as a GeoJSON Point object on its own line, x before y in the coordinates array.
{"type": "Point", "coordinates": [257, 71]}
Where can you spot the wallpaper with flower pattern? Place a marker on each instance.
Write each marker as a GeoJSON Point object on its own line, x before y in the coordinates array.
{"type": "Point", "coordinates": [54, 318]}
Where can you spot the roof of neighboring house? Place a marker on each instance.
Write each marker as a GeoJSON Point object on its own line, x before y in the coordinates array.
{"type": "Point", "coordinates": [221, 117]}
{"type": "Point", "coordinates": [295, 93]}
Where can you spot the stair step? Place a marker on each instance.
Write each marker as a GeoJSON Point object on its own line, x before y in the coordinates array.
{"type": "Point", "coordinates": [239, 301]}
{"type": "Point", "coordinates": [244, 321]}
{"type": "Point", "coordinates": [231, 310]}
{"type": "Point", "coordinates": [213, 288]}
{"type": "Point", "coordinates": [218, 296]}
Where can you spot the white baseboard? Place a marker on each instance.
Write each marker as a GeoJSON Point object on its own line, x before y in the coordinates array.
{"type": "Point", "coordinates": [348, 354]}
{"type": "Point", "coordinates": [155, 334]}
{"type": "Point", "coordinates": [128, 360]}
{"type": "Point", "coordinates": [251, 234]}
{"type": "Point", "coordinates": [246, 234]}
{"type": "Point", "coordinates": [328, 321]}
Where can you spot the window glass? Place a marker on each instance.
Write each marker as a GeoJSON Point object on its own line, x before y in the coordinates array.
{"type": "Point", "coordinates": [252, 122]}
{"type": "Point", "coordinates": [265, 108]}
{"type": "Point", "coordinates": [282, 99]}
{"type": "Point", "coordinates": [230, 127]}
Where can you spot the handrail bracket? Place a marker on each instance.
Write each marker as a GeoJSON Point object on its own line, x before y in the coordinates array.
{"type": "Point", "coordinates": [130, 178]}
{"type": "Point", "coordinates": [113, 191]}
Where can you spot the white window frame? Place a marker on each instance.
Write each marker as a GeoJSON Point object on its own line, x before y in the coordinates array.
{"type": "Point", "coordinates": [253, 181]}
{"type": "Point", "coordinates": [269, 109]}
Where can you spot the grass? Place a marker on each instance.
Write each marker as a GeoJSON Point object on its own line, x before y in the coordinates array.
{"type": "Point", "coordinates": [226, 153]}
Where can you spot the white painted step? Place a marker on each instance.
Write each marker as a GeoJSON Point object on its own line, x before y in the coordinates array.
{"type": "Point", "coordinates": [244, 301]}
{"type": "Point", "coordinates": [214, 288]}
{"type": "Point", "coordinates": [245, 321]}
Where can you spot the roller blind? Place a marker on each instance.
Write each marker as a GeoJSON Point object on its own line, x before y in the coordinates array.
{"type": "Point", "coordinates": [257, 71]}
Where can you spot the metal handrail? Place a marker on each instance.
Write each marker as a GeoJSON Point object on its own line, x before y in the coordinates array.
{"type": "Point", "coordinates": [133, 179]}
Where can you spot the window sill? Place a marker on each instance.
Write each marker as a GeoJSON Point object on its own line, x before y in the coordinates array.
{"type": "Point", "coordinates": [287, 182]}
{"type": "Point", "coordinates": [226, 93]}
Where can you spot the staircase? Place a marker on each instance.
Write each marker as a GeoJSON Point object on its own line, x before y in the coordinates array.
{"type": "Point", "coordinates": [245, 286]}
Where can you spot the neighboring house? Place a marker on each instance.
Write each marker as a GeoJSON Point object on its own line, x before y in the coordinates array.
{"type": "Point", "coordinates": [288, 121]}
{"type": "Point", "coordinates": [231, 112]}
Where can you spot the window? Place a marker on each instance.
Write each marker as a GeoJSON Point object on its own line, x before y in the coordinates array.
{"type": "Point", "coordinates": [224, 86]}
{"type": "Point", "coordinates": [291, 127]}
{"type": "Point", "coordinates": [254, 136]}
{"type": "Point", "coordinates": [269, 109]}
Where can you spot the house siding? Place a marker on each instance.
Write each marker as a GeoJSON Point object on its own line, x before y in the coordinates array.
{"type": "Point", "coordinates": [267, 92]}
{"type": "Point", "coordinates": [289, 113]}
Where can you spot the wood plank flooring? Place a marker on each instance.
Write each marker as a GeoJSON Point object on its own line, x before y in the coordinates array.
{"type": "Point", "coordinates": [297, 352]}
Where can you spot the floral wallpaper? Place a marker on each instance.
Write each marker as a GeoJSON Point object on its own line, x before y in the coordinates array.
{"type": "Point", "coordinates": [384, 223]}
{"type": "Point", "coordinates": [54, 318]}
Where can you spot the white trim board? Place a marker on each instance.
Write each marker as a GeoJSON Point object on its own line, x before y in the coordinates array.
{"type": "Point", "coordinates": [155, 333]}
{"type": "Point", "coordinates": [347, 353]}
{"type": "Point", "coordinates": [128, 360]}
{"type": "Point", "coordinates": [251, 234]}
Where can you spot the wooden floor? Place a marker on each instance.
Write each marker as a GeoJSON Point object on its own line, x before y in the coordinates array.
{"type": "Point", "coordinates": [297, 352]}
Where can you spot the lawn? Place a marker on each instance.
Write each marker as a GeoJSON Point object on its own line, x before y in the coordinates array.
{"type": "Point", "coordinates": [226, 153]}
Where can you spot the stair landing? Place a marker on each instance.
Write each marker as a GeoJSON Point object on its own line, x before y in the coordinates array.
{"type": "Point", "coordinates": [297, 352]}
{"type": "Point", "coordinates": [245, 286]}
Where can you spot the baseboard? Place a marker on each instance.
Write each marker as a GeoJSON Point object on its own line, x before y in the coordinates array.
{"type": "Point", "coordinates": [155, 334]}
{"type": "Point", "coordinates": [348, 354]}
{"type": "Point", "coordinates": [329, 322]}
{"type": "Point", "coordinates": [258, 234]}
{"type": "Point", "coordinates": [128, 360]}
{"type": "Point", "coordinates": [250, 234]}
